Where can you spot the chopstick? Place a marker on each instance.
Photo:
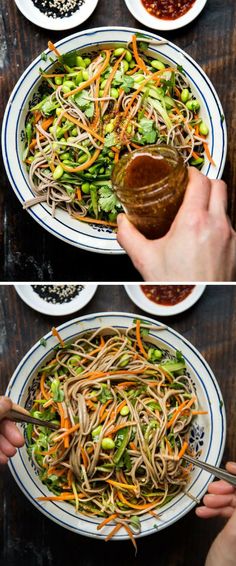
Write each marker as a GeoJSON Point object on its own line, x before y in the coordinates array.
{"type": "Point", "coordinates": [217, 472]}
{"type": "Point", "coordinates": [20, 415]}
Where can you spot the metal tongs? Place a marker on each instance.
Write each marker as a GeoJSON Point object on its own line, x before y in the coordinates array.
{"type": "Point", "coordinates": [20, 415]}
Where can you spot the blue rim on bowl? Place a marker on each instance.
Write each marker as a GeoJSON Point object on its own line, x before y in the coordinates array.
{"type": "Point", "coordinates": [210, 430]}
{"type": "Point", "coordinates": [70, 230]}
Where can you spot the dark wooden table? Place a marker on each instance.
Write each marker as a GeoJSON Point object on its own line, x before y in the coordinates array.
{"type": "Point", "coordinates": [29, 252]}
{"type": "Point", "coordinates": [29, 538]}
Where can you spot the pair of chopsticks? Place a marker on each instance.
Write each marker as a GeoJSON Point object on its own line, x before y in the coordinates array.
{"type": "Point", "coordinates": [20, 415]}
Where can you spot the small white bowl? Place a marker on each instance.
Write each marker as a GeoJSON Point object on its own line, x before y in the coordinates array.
{"type": "Point", "coordinates": [137, 9]}
{"type": "Point", "coordinates": [137, 296]}
{"type": "Point", "coordinates": [33, 300]}
{"type": "Point", "coordinates": [29, 10]}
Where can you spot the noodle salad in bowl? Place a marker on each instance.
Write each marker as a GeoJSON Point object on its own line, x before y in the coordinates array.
{"type": "Point", "coordinates": [129, 397]}
{"type": "Point", "coordinates": [91, 98]}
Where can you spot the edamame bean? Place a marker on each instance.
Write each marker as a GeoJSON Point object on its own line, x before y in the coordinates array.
{"type": "Point", "coordinates": [118, 52]}
{"type": "Point", "coordinates": [65, 89]}
{"type": "Point", "coordinates": [74, 132]}
{"type": "Point", "coordinates": [101, 92]}
{"type": "Point", "coordinates": [70, 84]}
{"type": "Point", "coordinates": [185, 94]}
{"type": "Point", "coordinates": [59, 111]}
{"type": "Point", "coordinates": [85, 188]}
{"type": "Point", "coordinates": [58, 80]}
{"type": "Point", "coordinates": [96, 431]}
{"type": "Point", "coordinates": [111, 154]}
{"type": "Point", "coordinates": [108, 443]}
{"type": "Point", "coordinates": [85, 75]}
{"type": "Point", "coordinates": [203, 129]}
{"type": "Point", "coordinates": [125, 66]}
{"type": "Point", "coordinates": [80, 62]}
{"type": "Point", "coordinates": [87, 61]}
{"type": "Point", "coordinates": [79, 78]}
{"type": "Point", "coordinates": [65, 156]}
{"type": "Point", "coordinates": [128, 56]}
{"type": "Point", "coordinates": [132, 64]}
{"type": "Point", "coordinates": [156, 64]}
{"type": "Point", "coordinates": [103, 84]}
{"type": "Point", "coordinates": [109, 128]}
{"type": "Point", "coordinates": [83, 158]}
{"type": "Point", "coordinates": [58, 172]}
{"type": "Point", "coordinates": [114, 93]}
{"type": "Point", "coordinates": [193, 105]}
{"type": "Point", "coordinates": [124, 411]}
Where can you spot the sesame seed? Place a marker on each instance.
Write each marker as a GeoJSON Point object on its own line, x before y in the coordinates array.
{"type": "Point", "coordinates": [58, 8]}
{"type": "Point", "coordinates": [57, 293]}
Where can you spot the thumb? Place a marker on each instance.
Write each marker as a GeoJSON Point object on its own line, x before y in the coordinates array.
{"type": "Point", "coordinates": [133, 242]}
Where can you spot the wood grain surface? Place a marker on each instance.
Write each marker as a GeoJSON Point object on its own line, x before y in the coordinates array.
{"type": "Point", "coordinates": [29, 538]}
{"type": "Point", "coordinates": [29, 252]}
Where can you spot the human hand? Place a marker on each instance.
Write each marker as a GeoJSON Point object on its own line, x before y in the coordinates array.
{"type": "Point", "coordinates": [200, 245]}
{"type": "Point", "coordinates": [221, 501]}
{"type": "Point", "coordinates": [221, 498]}
{"type": "Point", "coordinates": [10, 436]}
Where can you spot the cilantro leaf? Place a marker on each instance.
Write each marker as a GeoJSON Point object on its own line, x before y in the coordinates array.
{"type": "Point", "coordinates": [44, 56]}
{"type": "Point", "coordinates": [110, 140]}
{"type": "Point", "coordinates": [127, 83]}
{"type": "Point", "coordinates": [179, 356]}
{"type": "Point", "coordinates": [43, 342]}
{"type": "Point", "coordinates": [147, 130]}
{"type": "Point", "coordinates": [108, 200]}
{"type": "Point", "coordinates": [105, 394]}
{"type": "Point", "coordinates": [81, 99]}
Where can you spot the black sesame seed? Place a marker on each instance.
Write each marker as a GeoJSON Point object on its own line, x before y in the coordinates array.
{"type": "Point", "coordinates": [58, 8]}
{"type": "Point", "coordinates": [57, 293]}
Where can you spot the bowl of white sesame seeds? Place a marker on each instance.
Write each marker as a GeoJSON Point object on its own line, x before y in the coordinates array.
{"type": "Point", "coordinates": [57, 14]}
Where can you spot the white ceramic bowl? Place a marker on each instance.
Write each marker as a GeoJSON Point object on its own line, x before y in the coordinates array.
{"type": "Point", "coordinates": [33, 300]}
{"type": "Point", "coordinates": [208, 432]}
{"type": "Point", "coordinates": [87, 236]}
{"type": "Point", "coordinates": [139, 298]}
{"type": "Point", "coordinates": [137, 9]}
{"type": "Point", "coordinates": [32, 13]}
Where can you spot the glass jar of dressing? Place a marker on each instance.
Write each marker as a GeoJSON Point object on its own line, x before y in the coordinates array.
{"type": "Point", "coordinates": [150, 183]}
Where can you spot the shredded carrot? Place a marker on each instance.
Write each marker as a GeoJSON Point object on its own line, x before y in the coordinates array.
{"type": "Point", "coordinates": [106, 521]}
{"type": "Point", "coordinates": [67, 425]}
{"type": "Point", "coordinates": [55, 472]}
{"type": "Point", "coordinates": [46, 123]}
{"type": "Point", "coordinates": [133, 446]}
{"type": "Point", "coordinates": [114, 531]}
{"type": "Point", "coordinates": [83, 166]}
{"type": "Point", "coordinates": [51, 450]}
{"type": "Point", "coordinates": [121, 405]}
{"type": "Point", "coordinates": [145, 81]}
{"type": "Point", "coordinates": [78, 194]}
{"type": "Point", "coordinates": [83, 126]}
{"type": "Point", "coordinates": [122, 485]}
{"type": "Point", "coordinates": [195, 412]}
{"type": "Point", "coordinates": [93, 220]}
{"type": "Point", "coordinates": [52, 47]}
{"type": "Point", "coordinates": [116, 158]}
{"type": "Point", "coordinates": [84, 457]}
{"type": "Point", "coordinates": [102, 341]}
{"type": "Point", "coordinates": [195, 155]}
{"type": "Point", "coordinates": [69, 431]}
{"type": "Point", "coordinates": [183, 450]}
{"type": "Point", "coordinates": [112, 74]}
{"type": "Point", "coordinates": [127, 528]}
{"type": "Point", "coordinates": [132, 71]}
{"type": "Point", "coordinates": [37, 116]}
{"type": "Point", "coordinates": [207, 151]}
{"type": "Point", "coordinates": [62, 497]}
{"type": "Point", "coordinates": [57, 335]}
{"type": "Point", "coordinates": [103, 408]}
{"type": "Point", "coordinates": [185, 405]}
{"type": "Point", "coordinates": [138, 336]}
{"type": "Point", "coordinates": [120, 426]}
{"type": "Point", "coordinates": [134, 505]}
{"type": "Point", "coordinates": [137, 57]}
{"type": "Point", "coordinates": [125, 384]}
{"type": "Point", "coordinates": [61, 413]}
{"type": "Point", "coordinates": [42, 388]}
{"type": "Point", "coordinates": [153, 514]}
{"type": "Point", "coordinates": [91, 405]}
{"type": "Point", "coordinates": [93, 78]}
